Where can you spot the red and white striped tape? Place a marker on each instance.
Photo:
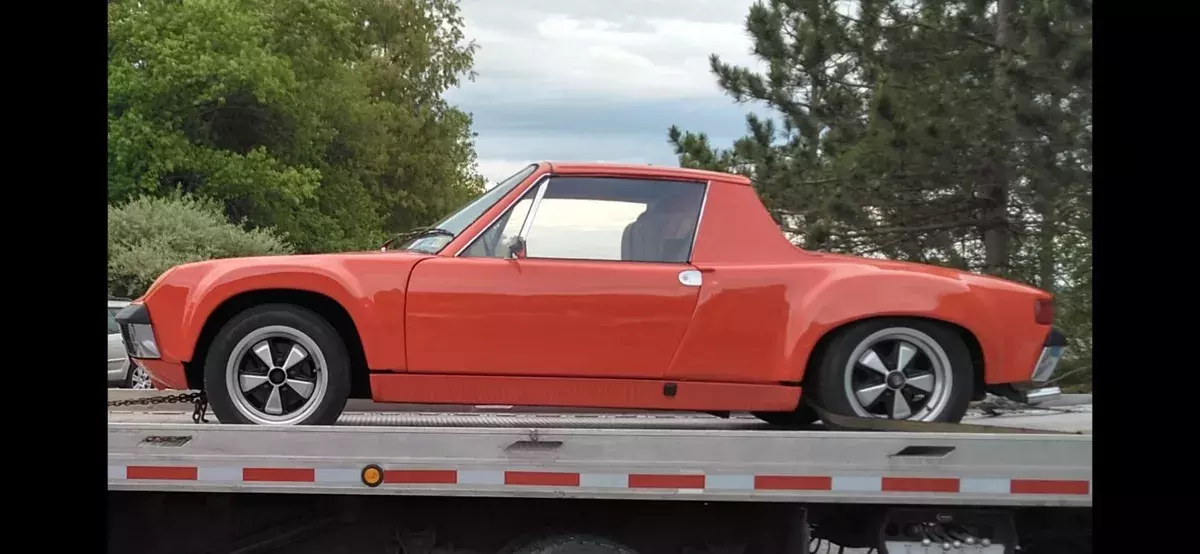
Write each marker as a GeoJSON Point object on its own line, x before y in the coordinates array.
{"type": "Point", "coordinates": [642, 481]}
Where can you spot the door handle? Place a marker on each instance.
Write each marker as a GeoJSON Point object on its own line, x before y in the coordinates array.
{"type": "Point", "coordinates": [690, 278]}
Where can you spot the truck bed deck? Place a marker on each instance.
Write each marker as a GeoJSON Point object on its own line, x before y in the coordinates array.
{"type": "Point", "coordinates": [610, 455]}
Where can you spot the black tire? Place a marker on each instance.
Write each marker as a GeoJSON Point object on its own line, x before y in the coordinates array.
{"type": "Point", "coordinates": [572, 544]}
{"type": "Point", "coordinates": [830, 371]}
{"type": "Point", "coordinates": [802, 416]}
{"type": "Point", "coordinates": [331, 345]}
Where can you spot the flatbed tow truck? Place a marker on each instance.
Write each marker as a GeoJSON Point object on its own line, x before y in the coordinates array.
{"type": "Point", "coordinates": [425, 482]}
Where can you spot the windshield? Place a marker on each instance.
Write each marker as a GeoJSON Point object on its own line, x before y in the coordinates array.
{"type": "Point", "coordinates": [441, 233]}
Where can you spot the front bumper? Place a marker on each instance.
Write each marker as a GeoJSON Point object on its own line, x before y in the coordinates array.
{"type": "Point", "coordinates": [138, 333]}
{"type": "Point", "coordinates": [142, 346]}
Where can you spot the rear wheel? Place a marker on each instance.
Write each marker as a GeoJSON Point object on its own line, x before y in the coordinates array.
{"type": "Point", "coordinates": [896, 368]}
{"type": "Point", "coordinates": [277, 364]}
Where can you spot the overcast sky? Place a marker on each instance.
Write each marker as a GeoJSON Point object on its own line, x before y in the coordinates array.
{"type": "Point", "coordinates": [598, 80]}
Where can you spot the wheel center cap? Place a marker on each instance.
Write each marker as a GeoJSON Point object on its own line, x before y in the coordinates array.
{"type": "Point", "coordinates": [896, 380]}
{"type": "Point", "coordinates": [276, 376]}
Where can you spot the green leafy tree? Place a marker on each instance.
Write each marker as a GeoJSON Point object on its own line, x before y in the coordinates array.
{"type": "Point", "coordinates": [321, 119]}
{"type": "Point", "coordinates": [955, 132]}
{"type": "Point", "coordinates": [149, 235]}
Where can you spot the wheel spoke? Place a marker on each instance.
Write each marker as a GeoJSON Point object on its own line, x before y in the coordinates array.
{"type": "Point", "coordinates": [904, 355]}
{"type": "Point", "coordinates": [302, 387]}
{"type": "Point", "coordinates": [871, 360]}
{"type": "Point", "coordinates": [251, 382]}
{"type": "Point", "coordinates": [900, 408]}
{"type": "Point", "coordinates": [868, 395]}
{"type": "Point", "coordinates": [923, 382]}
{"type": "Point", "coordinates": [274, 402]}
{"type": "Point", "coordinates": [294, 357]}
{"type": "Point", "coordinates": [263, 351]}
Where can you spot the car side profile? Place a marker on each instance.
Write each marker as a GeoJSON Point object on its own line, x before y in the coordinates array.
{"type": "Point", "coordinates": [598, 286]}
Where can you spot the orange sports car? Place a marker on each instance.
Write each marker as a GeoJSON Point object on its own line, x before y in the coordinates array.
{"type": "Point", "coordinates": [594, 286]}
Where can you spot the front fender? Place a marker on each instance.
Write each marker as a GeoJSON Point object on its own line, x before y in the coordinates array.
{"type": "Point", "coordinates": [186, 299]}
{"type": "Point", "coordinates": [850, 295]}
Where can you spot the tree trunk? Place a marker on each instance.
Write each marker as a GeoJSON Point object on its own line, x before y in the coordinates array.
{"type": "Point", "coordinates": [996, 231]}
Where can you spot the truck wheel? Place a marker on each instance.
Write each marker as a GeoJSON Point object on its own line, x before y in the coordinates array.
{"type": "Point", "coordinates": [572, 544]}
{"type": "Point", "coordinates": [896, 368]}
{"type": "Point", "coordinates": [277, 364]}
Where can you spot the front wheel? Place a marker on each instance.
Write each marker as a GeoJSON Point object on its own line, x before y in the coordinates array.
{"type": "Point", "coordinates": [277, 364]}
{"type": "Point", "coordinates": [896, 368]}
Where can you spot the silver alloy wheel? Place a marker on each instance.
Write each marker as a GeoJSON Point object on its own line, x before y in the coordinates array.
{"type": "Point", "coordinates": [276, 375]}
{"type": "Point", "coordinates": [139, 379]}
{"type": "Point", "coordinates": [899, 373]}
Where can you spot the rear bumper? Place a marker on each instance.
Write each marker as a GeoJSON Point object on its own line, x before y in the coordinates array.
{"type": "Point", "coordinates": [1033, 391]}
{"type": "Point", "coordinates": [1052, 351]}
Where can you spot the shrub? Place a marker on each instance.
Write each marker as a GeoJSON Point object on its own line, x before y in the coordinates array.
{"type": "Point", "coordinates": [149, 235]}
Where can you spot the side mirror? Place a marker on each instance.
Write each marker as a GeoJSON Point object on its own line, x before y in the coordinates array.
{"type": "Point", "coordinates": [516, 248]}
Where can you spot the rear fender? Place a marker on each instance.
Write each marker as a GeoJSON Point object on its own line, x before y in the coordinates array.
{"type": "Point", "coordinates": [841, 300]}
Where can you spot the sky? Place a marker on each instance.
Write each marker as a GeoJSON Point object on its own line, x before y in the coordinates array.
{"type": "Point", "coordinates": [598, 80]}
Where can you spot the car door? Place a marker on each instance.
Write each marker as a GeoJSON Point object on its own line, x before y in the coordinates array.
{"type": "Point", "coordinates": [603, 287]}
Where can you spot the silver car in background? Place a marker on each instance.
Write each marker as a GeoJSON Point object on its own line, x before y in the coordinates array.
{"type": "Point", "coordinates": [122, 372]}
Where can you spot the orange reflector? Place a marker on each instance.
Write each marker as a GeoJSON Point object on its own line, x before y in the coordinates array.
{"type": "Point", "coordinates": [372, 475]}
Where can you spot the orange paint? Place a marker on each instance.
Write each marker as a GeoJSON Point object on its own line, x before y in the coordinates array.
{"type": "Point", "coordinates": [438, 328]}
{"type": "Point", "coordinates": [165, 375]}
{"type": "Point", "coordinates": [575, 392]}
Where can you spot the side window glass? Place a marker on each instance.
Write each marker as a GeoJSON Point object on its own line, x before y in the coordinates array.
{"type": "Point", "coordinates": [493, 243]}
{"type": "Point", "coordinates": [112, 324]}
{"type": "Point", "coordinates": [592, 218]}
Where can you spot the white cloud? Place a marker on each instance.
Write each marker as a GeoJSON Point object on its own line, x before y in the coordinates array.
{"type": "Point", "coordinates": [598, 79]}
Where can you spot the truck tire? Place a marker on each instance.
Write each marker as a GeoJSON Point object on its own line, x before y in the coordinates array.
{"type": "Point", "coordinates": [277, 364]}
{"type": "Point", "coordinates": [571, 544]}
{"type": "Point", "coordinates": [896, 368]}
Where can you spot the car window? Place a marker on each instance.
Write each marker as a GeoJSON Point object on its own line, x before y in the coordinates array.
{"type": "Point", "coordinates": [491, 243]}
{"type": "Point", "coordinates": [594, 218]}
{"type": "Point", "coordinates": [112, 321]}
{"type": "Point", "coordinates": [456, 222]}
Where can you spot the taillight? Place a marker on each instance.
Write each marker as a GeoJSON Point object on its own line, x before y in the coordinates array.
{"type": "Point", "coordinates": [1043, 312]}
